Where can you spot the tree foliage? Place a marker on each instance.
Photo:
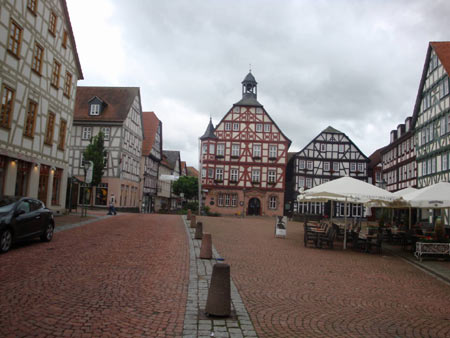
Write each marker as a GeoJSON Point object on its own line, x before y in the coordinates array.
{"type": "Point", "coordinates": [187, 185]}
{"type": "Point", "coordinates": [96, 153]}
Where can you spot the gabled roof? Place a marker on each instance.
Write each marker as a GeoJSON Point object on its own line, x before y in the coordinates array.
{"type": "Point", "coordinates": [330, 129]}
{"type": "Point", "coordinates": [375, 158]}
{"type": "Point", "coordinates": [171, 157]}
{"type": "Point", "coordinates": [118, 99]}
{"type": "Point", "coordinates": [72, 38]}
{"type": "Point", "coordinates": [442, 49]}
{"type": "Point", "coordinates": [191, 171]}
{"type": "Point", "coordinates": [150, 125]}
{"type": "Point", "coordinates": [335, 131]}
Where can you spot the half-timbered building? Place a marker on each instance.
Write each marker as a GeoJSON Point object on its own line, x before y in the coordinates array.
{"type": "Point", "coordinates": [431, 117]}
{"type": "Point", "coordinates": [399, 158]}
{"type": "Point", "coordinates": [151, 158]}
{"type": "Point", "coordinates": [38, 77]}
{"type": "Point", "coordinates": [243, 159]}
{"type": "Point", "coordinates": [117, 112]}
{"type": "Point", "coordinates": [328, 156]}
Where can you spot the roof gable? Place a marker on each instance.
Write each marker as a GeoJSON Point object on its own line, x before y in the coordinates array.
{"type": "Point", "coordinates": [119, 99]}
{"type": "Point", "coordinates": [150, 124]}
{"type": "Point", "coordinates": [72, 39]}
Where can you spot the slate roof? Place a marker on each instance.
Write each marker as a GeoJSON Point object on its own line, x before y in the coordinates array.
{"type": "Point", "coordinates": [118, 102]}
{"type": "Point", "coordinates": [330, 129]}
{"type": "Point", "coordinates": [171, 157]}
{"type": "Point", "coordinates": [248, 100]}
{"type": "Point", "coordinates": [150, 125]}
{"type": "Point", "coordinates": [209, 133]}
{"type": "Point", "coordinates": [249, 78]}
{"type": "Point", "coordinates": [72, 39]}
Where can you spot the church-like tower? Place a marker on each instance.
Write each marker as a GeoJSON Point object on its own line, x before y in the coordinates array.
{"type": "Point", "coordinates": [244, 159]}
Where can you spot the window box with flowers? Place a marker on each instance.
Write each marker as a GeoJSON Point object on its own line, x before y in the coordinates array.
{"type": "Point", "coordinates": [233, 181]}
{"type": "Point", "coordinates": [220, 156]}
{"type": "Point", "coordinates": [218, 180]}
{"type": "Point", "coordinates": [256, 158]}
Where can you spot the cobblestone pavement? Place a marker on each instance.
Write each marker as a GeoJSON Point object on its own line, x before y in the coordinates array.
{"type": "Point", "coordinates": [196, 325]}
{"type": "Point", "coordinates": [123, 276]}
{"type": "Point", "coordinates": [293, 291]}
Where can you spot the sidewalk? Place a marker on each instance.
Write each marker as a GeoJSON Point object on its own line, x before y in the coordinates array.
{"type": "Point", "coordinates": [74, 219]}
{"type": "Point", "coordinates": [437, 267]}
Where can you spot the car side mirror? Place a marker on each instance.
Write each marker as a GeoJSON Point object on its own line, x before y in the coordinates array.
{"type": "Point", "coordinates": [19, 212]}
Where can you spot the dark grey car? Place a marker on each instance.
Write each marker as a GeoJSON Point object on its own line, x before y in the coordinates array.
{"type": "Point", "coordinates": [23, 218]}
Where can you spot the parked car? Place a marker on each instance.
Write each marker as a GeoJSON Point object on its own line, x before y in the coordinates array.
{"type": "Point", "coordinates": [23, 218]}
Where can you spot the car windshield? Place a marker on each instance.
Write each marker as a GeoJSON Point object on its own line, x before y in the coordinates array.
{"type": "Point", "coordinates": [7, 203]}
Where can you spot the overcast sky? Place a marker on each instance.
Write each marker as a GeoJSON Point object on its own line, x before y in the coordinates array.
{"type": "Point", "coordinates": [353, 65]}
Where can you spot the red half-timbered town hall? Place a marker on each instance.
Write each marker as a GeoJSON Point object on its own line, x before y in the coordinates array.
{"type": "Point", "coordinates": [244, 159]}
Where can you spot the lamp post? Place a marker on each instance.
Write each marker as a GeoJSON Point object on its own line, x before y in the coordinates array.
{"type": "Point", "coordinates": [88, 168]}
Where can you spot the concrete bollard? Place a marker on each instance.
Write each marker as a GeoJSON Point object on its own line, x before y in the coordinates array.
{"type": "Point", "coordinates": [199, 231]}
{"type": "Point", "coordinates": [193, 221]}
{"type": "Point", "coordinates": [219, 294]}
{"type": "Point", "coordinates": [206, 248]}
{"type": "Point", "coordinates": [189, 214]}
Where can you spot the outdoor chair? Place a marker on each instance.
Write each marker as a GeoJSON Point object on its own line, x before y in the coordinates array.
{"type": "Point", "coordinates": [309, 235]}
{"type": "Point", "coordinates": [357, 243]}
{"type": "Point", "coordinates": [377, 244]}
{"type": "Point", "coordinates": [328, 237]}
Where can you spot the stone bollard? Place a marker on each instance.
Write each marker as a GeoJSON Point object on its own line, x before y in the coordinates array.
{"type": "Point", "coordinates": [189, 214]}
{"type": "Point", "coordinates": [199, 231]}
{"type": "Point", "coordinates": [206, 248]}
{"type": "Point", "coordinates": [193, 221]}
{"type": "Point", "coordinates": [219, 294]}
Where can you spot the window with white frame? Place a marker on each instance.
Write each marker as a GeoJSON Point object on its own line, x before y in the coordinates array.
{"type": "Point", "coordinates": [443, 126]}
{"type": "Point", "coordinates": [323, 147]}
{"type": "Point", "coordinates": [271, 176]}
{"type": "Point", "coordinates": [203, 173]}
{"type": "Point", "coordinates": [308, 182]}
{"type": "Point", "coordinates": [227, 200]}
{"type": "Point", "coordinates": [335, 166]}
{"type": "Point", "coordinates": [273, 151]}
{"type": "Point", "coordinates": [267, 127]}
{"type": "Point", "coordinates": [234, 173]}
{"type": "Point", "coordinates": [326, 166]}
{"type": "Point", "coordinates": [220, 149]}
{"type": "Point", "coordinates": [301, 182]}
{"type": "Point", "coordinates": [258, 127]}
{"type": "Point", "coordinates": [235, 150]}
{"type": "Point", "coordinates": [211, 148]}
{"type": "Point", "coordinates": [95, 109]}
{"type": "Point", "coordinates": [309, 165]}
{"type": "Point", "coordinates": [204, 148]}
{"type": "Point", "coordinates": [219, 174]}
{"type": "Point", "coordinates": [256, 150]}
{"type": "Point", "coordinates": [233, 200]}
{"type": "Point", "coordinates": [341, 148]}
{"type": "Point", "coordinates": [272, 202]}
{"type": "Point", "coordinates": [433, 165]}
{"type": "Point", "coordinates": [235, 126]}
{"type": "Point", "coordinates": [86, 133]}
{"type": "Point", "coordinates": [256, 174]}
{"type": "Point", "coordinates": [227, 126]}
{"type": "Point", "coordinates": [210, 173]}
{"type": "Point", "coordinates": [352, 166]}
{"type": "Point", "coordinates": [360, 167]}
{"type": "Point", "coordinates": [444, 162]}
{"type": "Point", "coordinates": [220, 200]}
{"type": "Point", "coordinates": [301, 164]}
{"type": "Point", "coordinates": [106, 132]}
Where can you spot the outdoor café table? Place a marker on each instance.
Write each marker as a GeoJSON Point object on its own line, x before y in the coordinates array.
{"type": "Point", "coordinates": [366, 238]}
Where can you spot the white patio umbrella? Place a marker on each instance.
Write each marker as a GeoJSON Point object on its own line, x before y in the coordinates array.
{"type": "Point", "coordinates": [436, 196]}
{"type": "Point", "coordinates": [399, 202]}
{"type": "Point", "coordinates": [403, 192]}
{"type": "Point", "coordinates": [349, 190]}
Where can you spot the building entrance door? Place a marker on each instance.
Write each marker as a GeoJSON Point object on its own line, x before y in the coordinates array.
{"type": "Point", "coordinates": [254, 207]}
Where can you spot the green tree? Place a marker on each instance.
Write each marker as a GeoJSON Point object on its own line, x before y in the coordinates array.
{"type": "Point", "coordinates": [96, 153]}
{"type": "Point", "coordinates": [187, 185]}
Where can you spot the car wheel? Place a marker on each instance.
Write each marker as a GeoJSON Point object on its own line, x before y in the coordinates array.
{"type": "Point", "coordinates": [5, 240]}
{"type": "Point", "coordinates": [48, 234]}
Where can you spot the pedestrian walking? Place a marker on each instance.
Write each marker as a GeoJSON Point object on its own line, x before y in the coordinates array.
{"type": "Point", "coordinates": [112, 208]}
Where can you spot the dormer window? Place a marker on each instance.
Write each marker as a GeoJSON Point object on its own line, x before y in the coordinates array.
{"type": "Point", "coordinates": [95, 109]}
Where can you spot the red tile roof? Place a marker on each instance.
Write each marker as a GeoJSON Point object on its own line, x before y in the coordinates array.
{"type": "Point", "coordinates": [191, 171]}
{"type": "Point", "coordinates": [183, 167]}
{"type": "Point", "coordinates": [442, 49]}
{"type": "Point", "coordinates": [150, 125]}
{"type": "Point", "coordinates": [118, 103]}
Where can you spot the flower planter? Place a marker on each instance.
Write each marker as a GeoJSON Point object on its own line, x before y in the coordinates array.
{"type": "Point", "coordinates": [425, 249]}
